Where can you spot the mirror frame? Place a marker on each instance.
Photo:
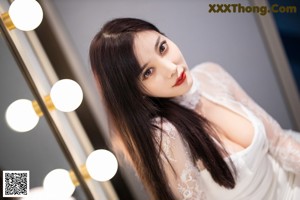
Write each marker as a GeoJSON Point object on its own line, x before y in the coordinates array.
{"type": "Point", "coordinates": [66, 128]}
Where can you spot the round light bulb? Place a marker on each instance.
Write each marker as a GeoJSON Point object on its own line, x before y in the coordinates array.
{"type": "Point", "coordinates": [25, 14]}
{"type": "Point", "coordinates": [102, 165]}
{"type": "Point", "coordinates": [20, 115]}
{"type": "Point", "coordinates": [58, 183]}
{"type": "Point", "coordinates": [66, 95]}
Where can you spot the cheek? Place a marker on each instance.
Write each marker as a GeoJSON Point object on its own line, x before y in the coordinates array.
{"type": "Point", "coordinates": [154, 83]}
{"type": "Point", "coordinates": [148, 86]}
{"type": "Point", "coordinates": [154, 87]}
{"type": "Point", "coordinates": [175, 51]}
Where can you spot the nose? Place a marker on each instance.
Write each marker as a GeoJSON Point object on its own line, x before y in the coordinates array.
{"type": "Point", "coordinates": [169, 69]}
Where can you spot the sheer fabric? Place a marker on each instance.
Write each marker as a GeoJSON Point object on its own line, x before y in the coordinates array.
{"type": "Point", "coordinates": [268, 168]}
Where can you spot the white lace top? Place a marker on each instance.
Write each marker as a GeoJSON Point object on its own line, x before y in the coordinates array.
{"type": "Point", "coordinates": [268, 168]}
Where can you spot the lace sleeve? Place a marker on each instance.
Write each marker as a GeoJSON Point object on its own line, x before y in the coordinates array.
{"type": "Point", "coordinates": [183, 177]}
{"type": "Point", "coordinates": [283, 145]}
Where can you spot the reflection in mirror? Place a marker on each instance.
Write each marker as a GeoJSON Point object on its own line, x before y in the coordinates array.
{"type": "Point", "coordinates": [35, 150]}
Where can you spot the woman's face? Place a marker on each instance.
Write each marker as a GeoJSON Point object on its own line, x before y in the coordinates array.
{"type": "Point", "coordinates": [164, 70]}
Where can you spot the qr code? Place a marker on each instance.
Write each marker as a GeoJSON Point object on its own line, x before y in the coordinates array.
{"type": "Point", "coordinates": [15, 183]}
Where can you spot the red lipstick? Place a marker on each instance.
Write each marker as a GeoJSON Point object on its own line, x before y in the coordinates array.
{"type": "Point", "coordinates": [180, 79]}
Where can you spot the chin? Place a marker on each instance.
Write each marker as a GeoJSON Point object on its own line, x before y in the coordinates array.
{"type": "Point", "coordinates": [186, 87]}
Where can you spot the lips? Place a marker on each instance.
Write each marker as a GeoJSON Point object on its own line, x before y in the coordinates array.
{"type": "Point", "coordinates": [180, 79]}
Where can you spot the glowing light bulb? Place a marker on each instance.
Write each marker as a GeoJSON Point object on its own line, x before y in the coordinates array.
{"type": "Point", "coordinates": [102, 165]}
{"type": "Point", "coordinates": [66, 95]}
{"type": "Point", "coordinates": [58, 183]}
{"type": "Point", "coordinates": [20, 115]}
{"type": "Point", "coordinates": [26, 14]}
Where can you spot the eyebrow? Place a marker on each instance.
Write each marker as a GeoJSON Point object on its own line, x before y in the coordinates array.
{"type": "Point", "coordinates": [157, 43]}
{"type": "Point", "coordinates": [155, 47]}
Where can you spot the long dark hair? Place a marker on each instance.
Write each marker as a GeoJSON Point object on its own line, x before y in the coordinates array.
{"type": "Point", "coordinates": [116, 71]}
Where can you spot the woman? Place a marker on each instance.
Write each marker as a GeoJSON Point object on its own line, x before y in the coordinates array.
{"type": "Point", "coordinates": [189, 134]}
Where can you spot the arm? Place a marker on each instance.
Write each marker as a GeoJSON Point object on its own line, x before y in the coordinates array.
{"type": "Point", "coordinates": [183, 177]}
{"type": "Point", "coordinates": [282, 146]}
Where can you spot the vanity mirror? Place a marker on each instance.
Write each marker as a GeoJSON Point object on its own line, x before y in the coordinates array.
{"type": "Point", "coordinates": [37, 150]}
{"type": "Point", "coordinates": [58, 141]}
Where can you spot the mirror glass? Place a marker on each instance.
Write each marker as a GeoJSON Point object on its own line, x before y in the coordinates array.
{"type": "Point", "coordinates": [37, 150]}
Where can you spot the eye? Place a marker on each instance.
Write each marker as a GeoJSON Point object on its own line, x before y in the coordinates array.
{"type": "Point", "coordinates": [147, 73]}
{"type": "Point", "coordinates": [163, 47]}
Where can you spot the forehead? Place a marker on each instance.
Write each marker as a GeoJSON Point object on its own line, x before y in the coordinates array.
{"type": "Point", "coordinates": [146, 35]}
{"type": "Point", "coordinates": [144, 43]}
{"type": "Point", "coordinates": [145, 38]}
